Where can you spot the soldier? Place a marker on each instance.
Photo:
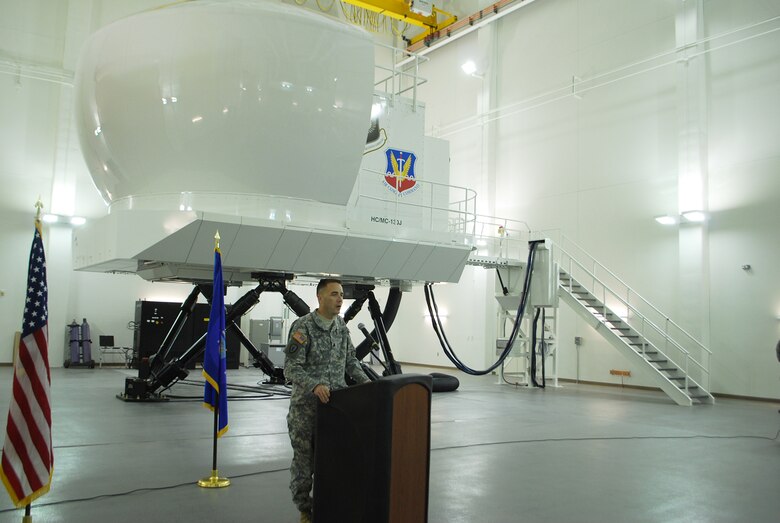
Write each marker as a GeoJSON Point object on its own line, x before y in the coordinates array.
{"type": "Point", "coordinates": [317, 355]}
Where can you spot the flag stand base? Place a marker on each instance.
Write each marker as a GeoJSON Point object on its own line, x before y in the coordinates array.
{"type": "Point", "coordinates": [213, 481]}
{"type": "Point", "coordinates": [26, 519]}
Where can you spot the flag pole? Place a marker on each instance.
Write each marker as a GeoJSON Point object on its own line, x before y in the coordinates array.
{"type": "Point", "coordinates": [214, 481]}
{"type": "Point", "coordinates": [27, 518]}
{"type": "Point", "coordinates": [38, 207]}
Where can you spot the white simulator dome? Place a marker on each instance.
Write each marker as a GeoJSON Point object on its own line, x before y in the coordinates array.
{"type": "Point", "coordinates": [225, 97]}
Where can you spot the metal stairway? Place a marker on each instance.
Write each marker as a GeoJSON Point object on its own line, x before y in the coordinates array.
{"type": "Point", "coordinates": [637, 347]}
{"type": "Point", "coordinates": [660, 349]}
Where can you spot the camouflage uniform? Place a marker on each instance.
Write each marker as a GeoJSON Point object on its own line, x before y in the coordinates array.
{"type": "Point", "coordinates": [314, 355]}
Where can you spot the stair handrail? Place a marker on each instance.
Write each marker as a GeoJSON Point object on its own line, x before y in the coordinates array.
{"type": "Point", "coordinates": [629, 290]}
{"type": "Point", "coordinates": [642, 317]}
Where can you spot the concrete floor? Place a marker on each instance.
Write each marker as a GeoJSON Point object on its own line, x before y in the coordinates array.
{"type": "Point", "coordinates": [579, 453]}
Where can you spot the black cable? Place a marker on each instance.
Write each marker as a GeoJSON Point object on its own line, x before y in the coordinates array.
{"type": "Point", "coordinates": [532, 348]}
{"type": "Point", "coordinates": [271, 389]}
{"type": "Point", "coordinates": [515, 383]}
{"type": "Point", "coordinates": [544, 349]}
{"type": "Point", "coordinates": [604, 438]}
{"type": "Point", "coordinates": [261, 392]}
{"type": "Point", "coordinates": [288, 388]}
{"type": "Point", "coordinates": [501, 281]}
{"type": "Point", "coordinates": [142, 489]}
{"type": "Point", "coordinates": [230, 398]}
{"type": "Point", "coordinates": [433, 311]}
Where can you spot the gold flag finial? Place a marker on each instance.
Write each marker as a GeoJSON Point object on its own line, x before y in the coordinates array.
{"type": "Point", "coordinates": [216, 240]}
{"type": "Point", "coordinates": [38, 207]}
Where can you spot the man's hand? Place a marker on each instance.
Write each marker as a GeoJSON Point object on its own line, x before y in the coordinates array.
{"type": "Point", "coordinates": [322, 392]}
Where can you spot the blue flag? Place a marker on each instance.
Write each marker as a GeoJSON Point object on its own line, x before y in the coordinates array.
{"type": "Point", "coordinates": [215, 357]}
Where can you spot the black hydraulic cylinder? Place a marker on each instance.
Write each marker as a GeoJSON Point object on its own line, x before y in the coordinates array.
{"type": "Point", "coordinates": [275, 374]}
{"type": "Point", "coordinates": [358, 293]}
{"type": "Point", "coordinates": [388, 317]}
{"type": "Point", "coordinates": [381, 333]}
{"type": "Point", "coordinates": [354, 309]}
{"type": "Point", "coordinates": [244, 303]}
{"type": "Point", "coordinates": [298, 306]}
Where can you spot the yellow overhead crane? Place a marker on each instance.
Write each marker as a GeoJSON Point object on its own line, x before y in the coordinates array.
{"type": "Point", "coordinates": [401, 10]}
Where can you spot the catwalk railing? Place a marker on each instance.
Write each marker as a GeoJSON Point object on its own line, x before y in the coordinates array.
{"type": "Point", "coordinates": [413, 204]}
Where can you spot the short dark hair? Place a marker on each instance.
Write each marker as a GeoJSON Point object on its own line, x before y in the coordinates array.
{"type": "Point", "coordinates": [325, 282]}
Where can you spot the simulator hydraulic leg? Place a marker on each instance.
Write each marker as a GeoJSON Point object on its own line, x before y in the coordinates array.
{"type": "Point", "coordinates": [392, 366]}
{"type": "Point", "coordinates": [262, 361]}
{"type": "Point", "coordinates": [157, 361]}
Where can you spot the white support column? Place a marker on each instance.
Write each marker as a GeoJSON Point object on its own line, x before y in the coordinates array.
{"type": "Point", "coordinates": [693, 288]}
{"type": "Point", "coordinates": [66, 165]}
{"type": "Point", "coordinates": [487, 40]}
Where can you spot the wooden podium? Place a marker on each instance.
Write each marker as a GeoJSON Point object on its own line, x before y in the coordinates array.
{"type": "Point", "coordinates": [372, 452]}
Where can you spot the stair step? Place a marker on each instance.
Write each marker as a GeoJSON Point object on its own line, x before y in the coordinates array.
{"type": "Point", "coordinates": [669, 369]}
{"type": "Point", "coordinates": [677, 378]}
{"type": "Point", "coordinates": [657, 361]}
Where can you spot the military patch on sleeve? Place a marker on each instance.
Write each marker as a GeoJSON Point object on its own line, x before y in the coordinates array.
{"type": "Point", "coordinates": [297, 340]}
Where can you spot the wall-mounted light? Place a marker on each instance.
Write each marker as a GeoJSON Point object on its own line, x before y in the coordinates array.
{"type": "Point", "coordinates": [60, 219]}
{"type": "Point", "coordinates": [666, 219]}
{"type": "Point", "coordinates": [686, 217]}
{"type": "Point", "coordinates": [695, 216]}
{"type": "Point", "coordinates": [470, 68]}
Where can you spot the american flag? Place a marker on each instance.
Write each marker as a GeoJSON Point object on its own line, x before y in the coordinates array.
{"type": "Point", "coordinates": [28, 461]}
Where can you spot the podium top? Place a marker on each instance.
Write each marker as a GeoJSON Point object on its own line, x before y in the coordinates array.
{"type": "Point", "coordinates": [396, 381]}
